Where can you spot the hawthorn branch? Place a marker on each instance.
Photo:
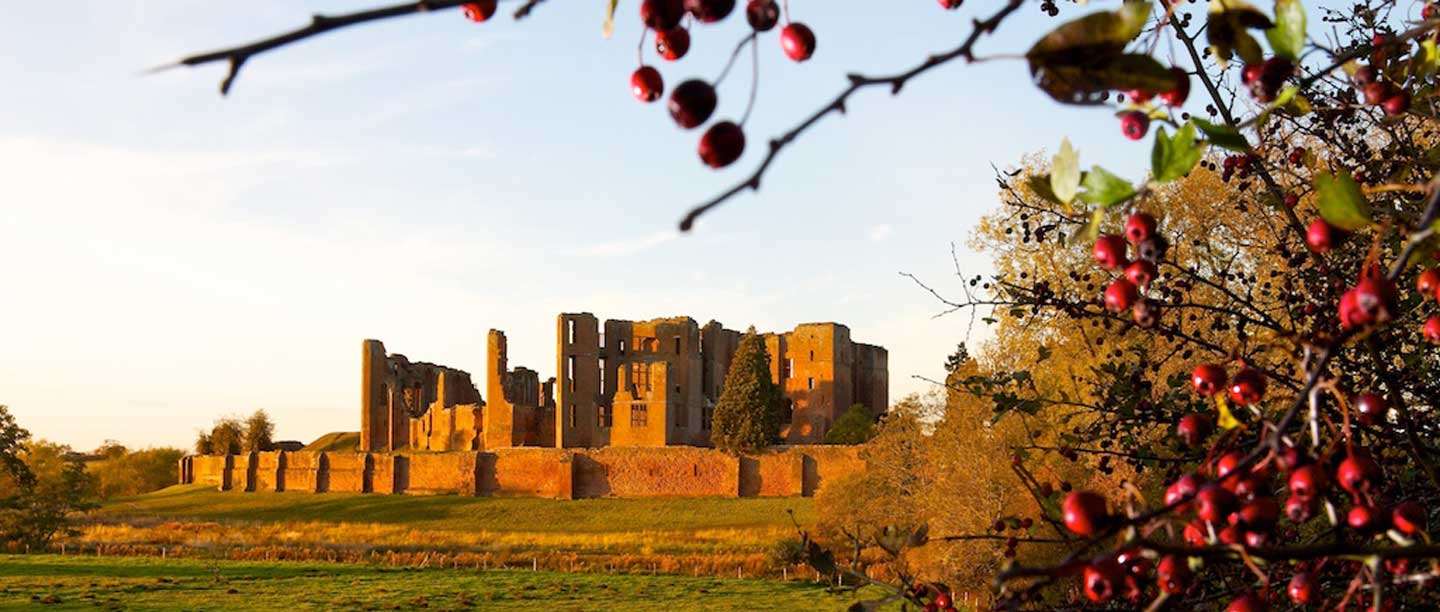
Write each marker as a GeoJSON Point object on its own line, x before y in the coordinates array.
{"type": "Point", "coordinates": [837, 105]}
{"type": "Point", "coordinates": [237, 56]}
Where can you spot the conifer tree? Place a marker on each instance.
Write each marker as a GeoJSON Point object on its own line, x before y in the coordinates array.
{"type": "Point", "coordinates": [747, 417]}
{"type": "Point", "coordinates": [855, 426]}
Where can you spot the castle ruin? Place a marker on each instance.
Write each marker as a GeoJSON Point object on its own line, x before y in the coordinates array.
{"type": "Point", "coordinates": [623, 383]}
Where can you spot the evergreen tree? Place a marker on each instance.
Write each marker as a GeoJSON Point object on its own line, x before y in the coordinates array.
{"type": "Point", "coordinates": [856, 426]}
{"type": "Point", "coordinates": [747, 417]}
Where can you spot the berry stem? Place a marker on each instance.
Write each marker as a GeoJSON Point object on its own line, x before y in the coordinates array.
{"type": "Point", "coordinates": [754, 78]}
{"type": "Point", "coordinates": [734, 54]}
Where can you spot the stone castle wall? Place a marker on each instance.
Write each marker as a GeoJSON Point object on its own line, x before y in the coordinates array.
{"type": "Point", "coordinates": [534, 472]}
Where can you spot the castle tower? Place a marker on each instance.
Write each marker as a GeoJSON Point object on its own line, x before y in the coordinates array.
{"type": "Point", "coordinates": [579, 421]}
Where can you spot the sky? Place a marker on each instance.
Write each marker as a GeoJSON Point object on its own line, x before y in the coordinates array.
{"type": "Point", "coordinates": [171, 256]}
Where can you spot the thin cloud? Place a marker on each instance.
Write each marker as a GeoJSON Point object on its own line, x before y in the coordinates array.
{"type": "Point", "coordinates": [632, 246]}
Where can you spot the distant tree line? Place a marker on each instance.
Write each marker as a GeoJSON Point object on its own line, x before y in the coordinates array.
{"type": "Point", "coordinates": [231, 435]}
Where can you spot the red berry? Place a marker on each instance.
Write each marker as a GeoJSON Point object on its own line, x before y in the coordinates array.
{"type": "Point", "coordinates": [478, 12]}
{"type": "Point", "coordinates": [1397, 103]}
{"type": "Point", "coordinates": [722, 144]}
{"type": "Point", "coordinates": [1145, 312]}
{"type": "Point", "coordinates": [1208, 379]}
{"type": "Point", "coordinates": [692, 103]}
{"type": "Point", "coordinates": [646, 84]}
{"type": "Point", "coordinates": [1109, 252]}
{"type": "Point", "coordinates": [1291, 200]}
{"type": "Point", "coordinates": [1363, 518]}
{"type": "Point", "coordinates": [1376, 92]}
{"type": "Point", "coordinates": [1322, 237]}
{"type": "Point", "coordinates": [1302, 588]}
{"type": "Point", "coordinates": [1194, 533]}
{"type": "Point", "coordinates": [1429, 11]}
{"type": "Point", "coordinates": [1246, 603]}
{"type": "Point", "coordinates": [1370, 409]}
{"type": "Point", "coordinates": [1431, 329]}
{"type": "Point", "coordinates": [1141, 272]}
{"type": "Point", "coordinates": [661, 15]}
{"type": "Point", "coordinates": [1251, 72]}
{"type": "Point", "coordinates": [1248, 387]}
{"type": "Point", "coordinates": [1262, 513]}
{"type": "Point", "coordinates": [710, 11]}
{"type": "Point", "coordinates": [951, 5]}
{"type": "Point", "coordinates": [1120, 295]}
{"type": "Point", "coordinates": [1213, 503]}
{"type": "Point", "coordinates": [1184, 487]}
{"type": "Point", "coordinates": [1139, 227]}
{"type": "Point", "coordinates": [1177, 95]}
{"type": "Point", "coordinates": [1194, 428]}
{"type": "Point", "coordinates": [1174, 575]}
{"type": "Point", "coordinates": [1230, 534]}
{"type": "Point", "coordinates": [943, 600]}
{"type": "Point", "coordinates": [1102, 580]}
{"type": "Point", "coordinates": [672, 44]}
{"type": "Point", "coordinates": [1299, 509]}
{"type": "Point", "coordinates": [1357, 473]}
{"type": "Point", "coordinates": [762, 14]}
{"type": "Point", "coordinates": [1364, 75]}
{"type": "Point", "coordinates": [798, 41]}
{"type": "Point", "coordinates": [1256, 539]}
{"type": "Point", "coordinates": [1289, 458]}
{"type": "Point", "coordinates": [1408, 518]}
{"type": "Point", "coordinates": [1307, 481]}
{"type": "Point", "coordinates": [1228, 463]}
{"type": "Point", "coordinates": [1134, 124]}
{"type": "Point", "coordinates": [1084, 512]}
{"type": "Point", "coordinates": [1428, 284]}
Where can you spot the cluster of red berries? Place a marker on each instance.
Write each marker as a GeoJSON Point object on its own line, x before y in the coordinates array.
{"type": "Point", "coordinates": [1236, 506]}
{"type": "Point", "coordinates": [1377, 91]}
{"type": "Point", "coordinates": [1013, 523]}
{"type": "Point", "coordinates": [1265, 78]}
{"type": "Point", "coordinates": [1239, 164]}
{"type": "Point", "coordinates": [1124, 292]}
{"type": "Point", "coordinates": [693, 102]}
{"type": "Point", "coordinates": [1428, 284]}
{"type": "Point", "coordinates": [1135, 123]}
{"type": "Point", "coordinates": [1247, 388]}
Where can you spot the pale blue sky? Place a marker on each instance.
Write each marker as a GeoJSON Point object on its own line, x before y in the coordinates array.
{"type": "Point", "coordinates": [172, 256]}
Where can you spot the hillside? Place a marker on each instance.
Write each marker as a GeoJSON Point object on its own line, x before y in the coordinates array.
{"type": "Point", "coordinates": [336, 442]}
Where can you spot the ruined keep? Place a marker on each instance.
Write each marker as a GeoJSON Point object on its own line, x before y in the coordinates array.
{"type": "Point", "coordinates": [623, 383]}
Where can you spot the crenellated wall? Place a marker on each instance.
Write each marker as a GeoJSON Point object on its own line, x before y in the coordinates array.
{"type": "Point", "coordinates": [534, 472]}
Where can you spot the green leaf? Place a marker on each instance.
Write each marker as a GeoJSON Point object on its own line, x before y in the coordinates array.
{"type": "Point", "coordinates": [1426, 60]}
{"type": "Point", "coordinates": [1082, 59]}
{"type": "Point", "coordinates": [1287, 38]}
{"type": "Point", "coordinates": [1341, 202]}
{"type": "Point", "coordinates": [1173, 158]}
{"type": "Point", "coordinates": [1088, 233]}
{"type": "Point", "coordinates": [1222, 136]}
{"type": "Point", "coordinates": [1040, 185]}
{"type": "Point", "coordinates": [1065, 173]}
{"type": "Point", "coordinates": [1105, 189]}
{"type": "Point", "coordinates": [1226, 25]}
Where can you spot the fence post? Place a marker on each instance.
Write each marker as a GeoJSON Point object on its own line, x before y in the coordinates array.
{"type": "Point", "coordinates": [534, 564]}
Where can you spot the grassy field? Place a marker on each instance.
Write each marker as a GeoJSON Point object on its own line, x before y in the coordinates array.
{"type": "Point", "coordinates": [154, 584]}
{"type": "Point", "coordinates": [715, 536]}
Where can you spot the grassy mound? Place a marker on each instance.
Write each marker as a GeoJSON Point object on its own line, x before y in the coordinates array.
{"type": "Point", "coordinates": [336, 442]}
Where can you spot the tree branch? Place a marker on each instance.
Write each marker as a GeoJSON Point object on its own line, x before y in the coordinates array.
{"type": "Point", "coordinates": [837, 105]}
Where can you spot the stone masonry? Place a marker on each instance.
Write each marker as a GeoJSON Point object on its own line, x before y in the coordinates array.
{"type": "Point", "coordinates": [620, 383]}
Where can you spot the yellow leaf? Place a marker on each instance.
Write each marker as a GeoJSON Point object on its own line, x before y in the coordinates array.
{"type": "Point", "coordinates": [1227, 420]}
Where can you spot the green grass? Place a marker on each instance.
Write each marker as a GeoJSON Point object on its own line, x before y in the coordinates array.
{"type": "Point", "coordinates": [494, 514]}
{"type": "Point", "coordinates": [155, 584]}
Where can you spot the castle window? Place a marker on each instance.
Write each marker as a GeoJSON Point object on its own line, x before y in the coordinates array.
{"type": "Point", "coordinates": [570, 331]}
{"type": "Point", "coordinates": [677, 345]}
{"type": "Point", "coordinates": [570, 371]}
{"type": "Point", "coordinates": [603, 417]}
{"type": "Point", "coordinates": [622, 346]}
{"type": "Point", "coordinates": [812, 355]}
{"type": "Point", "coordinates": [810, 383]}
{"type": "Point", "coordinates": [602, 374]}
{"type": "Point", "coordinates": [638, 416]}
{"type": "Point", "coordinates": [572, 415]}
{"type": "Point", "coordinates": [789, 368]}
